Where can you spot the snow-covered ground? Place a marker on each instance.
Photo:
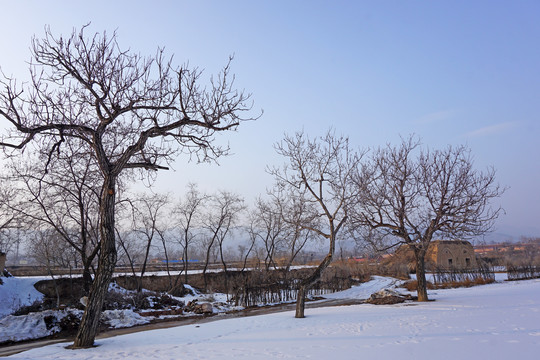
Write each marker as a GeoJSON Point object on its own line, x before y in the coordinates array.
{"type": "Point", "coordinates": [16, 293]}
{"type": "Point", "coordinates": [497, 321]}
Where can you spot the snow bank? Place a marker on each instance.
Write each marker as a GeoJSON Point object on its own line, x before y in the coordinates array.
{"type": "Point", "coordinates": [364, 290]}
{"type": "Point", "coordinates": [16, 293]}
{"type": "Point", "coordinates": [34, 325]}
{"type": "Point", "coordinates": [123, 318]}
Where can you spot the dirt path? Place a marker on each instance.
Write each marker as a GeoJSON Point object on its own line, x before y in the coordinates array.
{"type": "Point", "coordinates": [24, 346]}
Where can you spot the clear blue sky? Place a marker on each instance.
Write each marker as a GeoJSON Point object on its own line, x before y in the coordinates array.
{"type": "Point", "coordinates": [452, 72]}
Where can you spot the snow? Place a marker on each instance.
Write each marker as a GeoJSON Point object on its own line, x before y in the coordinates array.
{"type": "Point", "coordinates": [123, 318]}
{"type": "Point", "coordinates": [364, 290]}
{"type": "Point", "coordinates": [33, 325]}
{"type": "Point", "coordinates": [16, 293]}
{"type": "Point", "coordinates": [496, 321]}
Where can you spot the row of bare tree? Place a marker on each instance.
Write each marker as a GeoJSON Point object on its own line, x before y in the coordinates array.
{"type": "Point", "coordinates": [95, 117]}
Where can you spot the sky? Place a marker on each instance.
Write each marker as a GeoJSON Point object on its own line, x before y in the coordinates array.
{"type": "Point", "coordinates": [451, 72]}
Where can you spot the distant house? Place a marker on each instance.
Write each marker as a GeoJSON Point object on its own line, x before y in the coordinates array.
{"type": "Point", "coordinates": [452, 254]}
{"type": "Point", "coordinates": [457, 254]}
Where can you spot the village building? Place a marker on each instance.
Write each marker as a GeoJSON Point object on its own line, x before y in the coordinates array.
{"type": "Point", "coordinates": [451, 254]}
{"type": "Point", "coordinates": [456, 254]}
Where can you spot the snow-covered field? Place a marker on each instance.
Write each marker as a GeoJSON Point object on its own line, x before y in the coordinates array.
{"type": "Point", "coordinates": [497, 321]}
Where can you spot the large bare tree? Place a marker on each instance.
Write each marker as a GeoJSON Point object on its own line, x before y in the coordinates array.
{"type": "Point", "coordinates": [411, 195]}
{"type": "Point", "coordinates": [318, 174]}
{"type": "Point", "coordinates": [131, 112]}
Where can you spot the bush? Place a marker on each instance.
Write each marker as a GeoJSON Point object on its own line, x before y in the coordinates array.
{"type": "Point", "coordinates": [162, 301]}
{"type": "Point", "coordinates": [468, 282]}
{"type": "Point", "coordinates": [115, 300]}
{"type": "Point", "coordinates": [412, 285]}
{"type": "Point", "coordinates": [464, 283]}
{"type": "Point", "coordinates": [132, 300]}
{"type": "Point", "coordinates": [36, 306]}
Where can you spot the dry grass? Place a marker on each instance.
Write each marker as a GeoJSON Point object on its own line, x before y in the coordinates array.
{"type": "Point", "coordinates": [413, 284]}
{"type": "Point", "coordinates": [464, 283]}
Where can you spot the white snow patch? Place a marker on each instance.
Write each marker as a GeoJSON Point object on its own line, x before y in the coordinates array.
{"type": "Point", "coordinates": [16, 293]}
{"type": "Point", "coordinates": [123, 318]}
{"type": "Point", "coordinates": [33, 325]}
{"type": "Point", "coordinates": [364, 290]}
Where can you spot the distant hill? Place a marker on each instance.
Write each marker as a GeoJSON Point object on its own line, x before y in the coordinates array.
{"type": "Point", "coordinates": [506, 233]}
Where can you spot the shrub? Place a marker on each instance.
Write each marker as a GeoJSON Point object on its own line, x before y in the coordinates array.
{"type": "Point", "coordinates": [36, 306]}
{"type": "Point", "coordinates": [412, 285]}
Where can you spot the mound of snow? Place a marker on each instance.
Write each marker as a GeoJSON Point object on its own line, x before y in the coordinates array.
{"type": "Point", "coordinates": [364, 290]}
{"type": "Point", "coordinates": [16, 293]}
{"type": "Point", "coordinates": [123, 318]}
{"type": "Point", "coordinates": [34, 325]}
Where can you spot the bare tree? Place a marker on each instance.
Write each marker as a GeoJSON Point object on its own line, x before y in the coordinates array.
{"type": "Point", "coordinates": [269, 228]}
{"type": "Point", "coordinates": [223, 213]}
{"type": "Point", "coordinates": [319, 175]}
{"type": "Point", "coordinates": [411, 195]}
{"type": "Point", "coordinates": [48, 249]}
{"type": "Point", "coordinates": [187, 213]}
{"type": "Point", "coordinates": [130, 112]}
{"type": "Point", "coordinates": [297, 237]}
{"type": "Point", "coordinates": [65, 198]}
{"type": "Point", "coordinates": [8, 217]}
{"type": "Point", "coordinates": [246, 250]}
{"type": "Point", "coordinates": [149, 223]}
{"type": "Point", "coordinates": [276, 224]}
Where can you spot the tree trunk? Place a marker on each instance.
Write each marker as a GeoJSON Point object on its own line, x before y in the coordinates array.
{"type": "Point", "coordinates": [421, 275]}
{"type": "Point", "coordinates": [308, 283]}
{"type": "Point", "coordinates": [107, 261]}
{"type": "Point", "coordinates": [300, 302]}
{"type": "Point", "coordinates": [186, 265]}
{"type": "Point", "coordinates": [54, 284]}
{"type": "Point", "coordinates": [87, 277]}
{"type": "Point", "coordinates": [206, 262]}
{"type": "Point", "coordinates": [225, 271]}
